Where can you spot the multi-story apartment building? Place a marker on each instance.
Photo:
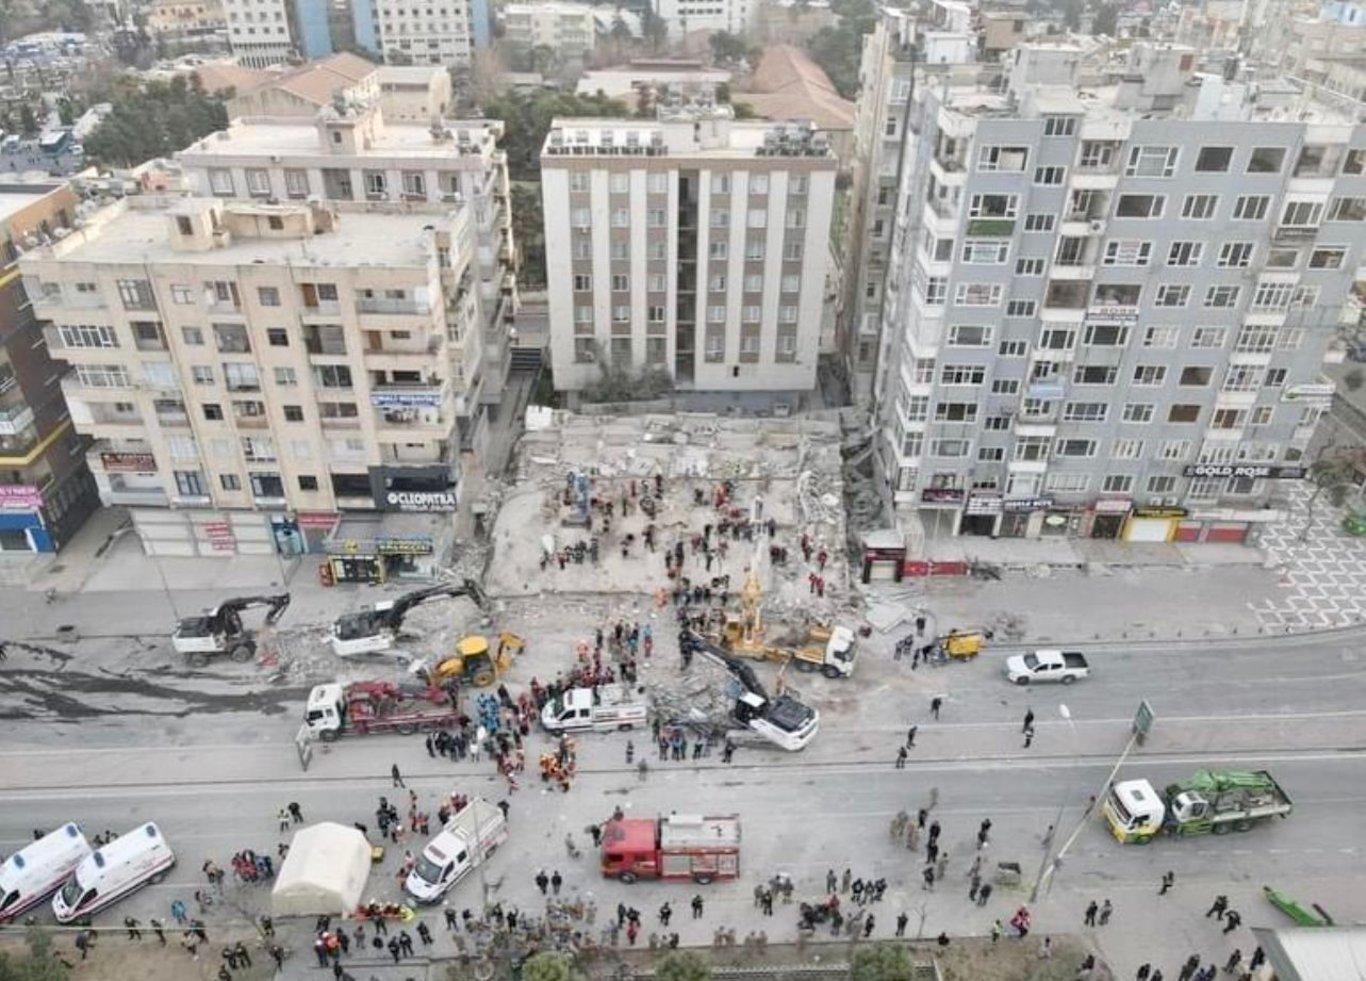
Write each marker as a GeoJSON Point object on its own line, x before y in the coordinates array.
{"type": "Point", "coordinates": [686, 16]}
{"type": "Point", "coordinates": [46, 491]}
{"type": "Point", "coordinates": [1112, 294]}
{"type": "Point", "coordinates": [445, 34]}
{"type": "Point", "coordinates": [695, 244]}
{"type": "Point", "coordinates": [358, 155]}
{"type": "Point", "coordinates": [568, 28]}
{"type": "Point", "coordinates": [260, 32]}
{"type": "Point", "coordinates": [250, 371]}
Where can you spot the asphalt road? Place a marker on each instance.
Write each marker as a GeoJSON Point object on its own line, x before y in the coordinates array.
{"type": "Point", "coordinates": [209, 756]}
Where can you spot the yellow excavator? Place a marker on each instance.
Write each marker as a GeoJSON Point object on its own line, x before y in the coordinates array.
{"type": "Point", "coordinates": [474, 663]}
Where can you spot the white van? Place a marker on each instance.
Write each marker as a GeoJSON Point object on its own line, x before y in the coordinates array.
{"type": "Point", "coordinates": [34, 873]}
{"type": "Point", "coordinates": [107, 875]}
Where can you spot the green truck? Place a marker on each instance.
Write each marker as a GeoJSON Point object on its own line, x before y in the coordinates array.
{"type": "Point", "coordinates": [1210, 802]}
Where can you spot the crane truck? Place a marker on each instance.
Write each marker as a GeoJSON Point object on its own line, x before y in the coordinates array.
{"type": "Point", "coordinates": [375, 630]}
{"type": "Point", "coordinates": [1210, 802]}
{"type": "Point", "coordinates": [221, 631]}
{"type": "Point", "coordinates": [782, 721]}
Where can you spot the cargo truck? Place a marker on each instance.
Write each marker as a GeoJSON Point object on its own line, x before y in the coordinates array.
{"type": "Point", "coordinates": [471, 835]}
{"type": "Point", "coordinates": [676, 847]}
{"type": "Point", "coordinates": [364, 707]}
{"type": "Point", "coordinates": [1211, 801]}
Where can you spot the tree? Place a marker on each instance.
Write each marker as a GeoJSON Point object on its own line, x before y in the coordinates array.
{"type": "Point", "coordinates": [683, 965]}
{"type": "Point", "coordinates": [528, 229]}
{"type": "Point", "coordinates": [731, 49]}
{"type": "Point", "coordinates": [41, 963]}
{"type": "Point", "coordinates": [28, 122]}
{"type": "Point", "coordinates": [1106, 20]}
{"type": "Point", "coordinates": [548, 966]}
{"type": "Point", "coordinates": [153, 120]}
{"type": "Point", "coordinates": [881, 962]}
{"type": "Point", "coordinates": [1336, 475]}
{"type": "Point", "coordinates": [839, 49]}
{"type": "Point", "coordinates": [526, 120]}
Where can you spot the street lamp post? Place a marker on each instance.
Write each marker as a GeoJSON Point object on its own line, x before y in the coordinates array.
{"type": "Point", "coordinates": [1048, 864]}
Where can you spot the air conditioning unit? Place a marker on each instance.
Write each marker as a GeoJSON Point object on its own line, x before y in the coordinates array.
{"type": "Point", "coordinates": [1097, 225]}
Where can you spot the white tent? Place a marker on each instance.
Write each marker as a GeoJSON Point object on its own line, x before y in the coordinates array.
{"type": "Point", "coordinates": [324, 872]}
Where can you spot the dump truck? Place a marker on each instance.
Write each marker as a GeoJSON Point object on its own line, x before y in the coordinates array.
{"type": "Point", "coordinates": [599, 709]}
{"type": "Point", "coordinates": [676, 847]}
{"type": "Point", "coordinates": [1041, 667]}
{"type": "Point", "coordinates": [1211, 801]}
{"type": "Point", "coordinates": [363, 707]}
{"type": "Point", "coordinates": [471, 835]}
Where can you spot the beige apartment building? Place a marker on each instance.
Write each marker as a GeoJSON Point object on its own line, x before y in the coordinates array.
{"type": "Point", "coordinates": [250, 372]}
{"type": "Point", "coordinates": [360, 155]}
{"type": "Point", "coordinates": [697, 245]}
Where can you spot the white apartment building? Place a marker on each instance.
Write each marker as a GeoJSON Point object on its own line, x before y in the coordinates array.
{"type": "Point", "coordinates": [686, 16]}
{"type": "Point", "coordinates": [261, 369]}
{"type": "Point", "coordinates": [1111, 295]}
{"type": "Point", "coordinates": [695, 244]}
{"type": "Point", "coordinates": [569, 28]}
{"type": "Point", "coordinates": [259, 32]}
{"type": "Point", "coordinates": [440, 33]}
{"type": "Point", "coordinates": [358, 155]}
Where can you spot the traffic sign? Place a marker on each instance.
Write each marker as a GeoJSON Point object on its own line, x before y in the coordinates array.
{"type": "Point", "coordinates": [1143, 720]}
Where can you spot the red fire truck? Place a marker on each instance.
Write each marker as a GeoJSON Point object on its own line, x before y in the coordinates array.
{"type": "Point", "coordinates": [675, 847]}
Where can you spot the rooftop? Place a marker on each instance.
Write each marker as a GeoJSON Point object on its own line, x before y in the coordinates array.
{"type": "Point", "coordinates": [705, 132]}
{"type": "Point", "coordinates": [562, 8]}
{"type": "Point", "coordinates": [137, 230]}
{"type": "Point", "coordinates": [16, 197]}
{"type": "Point", "coordinates": [283, 136]}
{"type": "Point", "coordinates": [787, 84]}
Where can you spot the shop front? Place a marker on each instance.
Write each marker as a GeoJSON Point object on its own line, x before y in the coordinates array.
{"type": "Point", "coordinates": [940, 510]}
{"type": "Point", "coordinates": [416, 490]}
{"type": "Point", "coordinates": [1024, 517]}
{"type": "Point", "coordinates": [1232, 525]}
{"type": "Point", "coordinates": [884, 555]}
{"type": "Point", "coordinates": [1154, 524]}
{"type": "Point", "coordinates": [377, 549]}
{"type": "Point", "coordinates": [1108, 517]}
{"type": "Point", "coordinates": [21, 520]}
{"type": "Point", "coordinates": [981, 515]}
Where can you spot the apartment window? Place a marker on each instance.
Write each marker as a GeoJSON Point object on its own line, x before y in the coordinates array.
{"type": "Point", "coordinates": [335, 410]}
{"type": "Point", "coordinates": [1083, 448]}
{"type": "Point", "coordinates": [582, 218]}
{"type": "Point", "coordinates": [716, 250]}
{"type": "Point", "coordinates": [1195, 376]}
{"type": "Point", "coordinates": [1059, 125]}
{"type": "Point", "coordinates": [277, 337]}
{"type": "Point", "coordinates": [621, 314]}
{"type": "Point", "coordinates": [1151, 161]}
{"type": "Point", "coordinates": [657, 218]}
{"type": "Point", "coordinates": [1199, 207]}
{"type": "Point", "coordinates": [754, 250]}
{"type": "Point", "coordinates": [621, 217]}
{"type": "Point", "coordinates": [656, 315]}
{"type": "Point", "coordinates": [978, 295]}
{"type": "Point", "coordinates": [754, 283]}
{"type": "Point", "coordinates": [296, 183]}
{"type": "Point", "coordinates": [1094, 374]}
{"type": "Point", "coordinates": [1251, 207]}
{"type": "Point", "coordinates": [657, 282]}
{"type": "Point", "coordinates": [1302, 214]}
{"type": "Point", "coordinates": [966, 335]}
{"type": "Point", "coordinates": [1067, 483]}
{"type": "Point", "coordinates": [950, 448]}
{"type": "Point", "coordinates": [955, 412]}
{"type": "Point", "coordinates": [1160, 337]}
{"type": "Point", "coordinates": [1029, 267]}
{"type": "Point", "coordinates": [619, 183]}
{"type": "Point", "coordinates": [258, 182]}
{"type": "Point", "coordinates": [994, 206]}
{"type": "Point", "coordinates": [1049, 175]}
{"type": "Point", "coordinates": [716, 314]}
{"type": "Point", "coordinates": [1183, 413]}
{"type": "Point", "coordinates": [1266, 160]}
{"type": "Point", "coordinates": [1005, 386]}
{"type": "Point", "coordinates": [1255, 339]}
{"type": "Point", "coordinates": [180, 295]}
{"type": "Point", "coordinates": [1106, 335]}
{"type": "Point", "coordinates": [1213, 159]}
{"type": "Point", "coordinates": [286, 377]}
{"type": "Point", "coordinates": [1096, 155]}
{"type": "Point", "coordinates": [796, 218]}
{"type": "Point", "coordinates": [1174, 449]}
{"type": "Point", "coordinates": [213, 412]}
{"type": "Point", "coordinates": [332, 376]}
{"type": "Point", "coordinates": [1235, 255]}
{"type": "Point", "coordinates": [1117, 483]}
{"type": "Point", "coordinates": [1012, 349]}
{"type": "Point", "coordinates": [190, 483]}
{"type": "Point", "coordinates": [1272, 296]}
{"type": "Point", "coordinates": [1290, 338]}
{"type": "Point", "coordinates": [583, 283]}
{"type": "Point", "coordinates": [376, 184]}
{"type": "Point", "coordinates": [916, 408]}
{"type": "Point", "coordinates": [1150, 375]}
{"type": "Point", "coordinates": [1275, 377]}
{"type": "Point", "coordinates": [1328, 258]}
{"type": "Point", "coordinates": [751, 314]}
{"type": "Point", "coordinates": [1130, 252]}
{"type": "Point", "coordinates": [87, 336]}
{"type": "Point", "coordinates": [1009, 159]}
{"type": "Point", "coordinates": [1057, 339]}
{"type": "Point", "coordinates": [585, 350]}
{"type": "Point", "coordinates": [991, 454]}
{"type": "Point", "coordinates": [220, 182]}
{"type": "Point", "coordinates": [936, 291]}
{"type": "Point", "coordinates": [1140, 206]}
{"type": "Point", "coordinates": [1021, 308]}
{"type": "Point", "coordinates": [267, 485]}
{"type": "Point", "coordinates": [1261, 415]}
{"type": "Point", "coordinates": [720, 183]}
{"type": "Point", "coordinates": [1209, 338]}
{"type": "Point", "coordinates": [720, 218]}
{"type": "Point", "coordinates": [230, 482]}
{"type": "Point", "coordinates": [1138, 412]}
{"type": "Point", "coordinates": [1185, 253]}
{"type": "Point", "coordinates": [962, 374]}
{"type": "Point", "coordinates": [1222, 296]}
{"type": "Point", "coordinates": [1347, 209]}
{"type": "Point", "coordinates": [231, 338]}
{"type": "Point", "coordinates": [792, 251]}
{"type": "Point", "coordinates": [791, 284]}
{"type": "Point", "coordinates": [1304, 296]}
{"type": "Point", "coordinates": [658, 183]}
{"type": "Point", "coordinates": [1228, 419]}
{"type": "Point", "coordinates": [717, 283]}
{"type": "Point", "coordinates": [414, 184]}
{"type": "Point", "coordinates": [1161, 484]}
{"type": "Point", "coordinates": [1282, 258]}
{"type": "Point", "coordinates": [787, 315]}
{"type": "Point", "coordinates": [136, 294]}
{"type": "Point", "coordinates": [1086, 412]}
{"type": "Point", "coordinates": [1171, 295]}
{"type": "Point", "coordinates": [1040, 221]}
{"type": "Point", "coordinates": [620, 282]}
{"type": "Point", "coordinates": [988, 251]}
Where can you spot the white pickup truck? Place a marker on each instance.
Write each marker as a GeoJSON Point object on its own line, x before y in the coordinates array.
{"type": "Point", "coordinates": [1064, 667]}
{"type": "Point", "coordinates": [603, 708]}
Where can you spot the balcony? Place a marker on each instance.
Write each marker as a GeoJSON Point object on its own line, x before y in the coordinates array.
{"type": "Point", "coordinates": [108, 423]}
{"type": "Point", "coordinates": [991, 227]}
{"type": "Point", "coordinates": [321, 308]}
{"type": "Point", "coordinates": [173, 420]}
{"type": "Point", "coordinates": [45, 306]}
{"type": "Point", "coordinates": [15, 420]}
{"type": "Point", "coordinates": [422, 454]}
{"type": "Point", "coordinates": [1295, 233]}
{"type": "Point", "coordinates": [394, 307]}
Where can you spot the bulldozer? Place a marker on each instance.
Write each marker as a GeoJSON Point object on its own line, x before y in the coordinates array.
{"type": "Point", "coordinates": [472, 661]}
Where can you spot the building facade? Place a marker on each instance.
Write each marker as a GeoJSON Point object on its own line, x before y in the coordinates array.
{"type": "Point", "coordinates": [444, 35]}
{"type": "Point", "coordinates": [262, 369]}
{"type": "Point", "coordinates": [260, 31]}
{"type": "Point", "coordinates": [696, 245]}
{"type": "Point", "coordinates": [569, 28]}
{"type": "Point", "coordinates": [360, 156]}
{"type": "Point", "coordinates": [1112, 299]}
{"type": "Point", "coordinates": [683, 17]}
{"type": "Point", "coordinates": [46, 490]}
